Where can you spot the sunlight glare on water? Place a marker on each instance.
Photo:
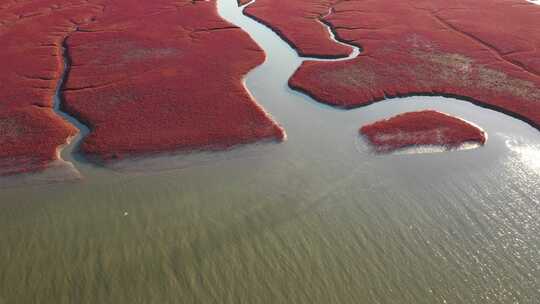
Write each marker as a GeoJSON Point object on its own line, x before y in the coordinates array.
{"type": "Point", "coordinates": [527, 153]}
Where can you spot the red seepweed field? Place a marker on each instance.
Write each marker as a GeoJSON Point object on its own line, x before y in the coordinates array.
{"type": "Point", "coordinates": [144, 76]}
{"type": "Point", "coordinates": [486, 52]}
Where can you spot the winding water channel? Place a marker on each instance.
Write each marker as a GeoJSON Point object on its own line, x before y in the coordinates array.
{"type": "Point", "coordinates": [316, 219]}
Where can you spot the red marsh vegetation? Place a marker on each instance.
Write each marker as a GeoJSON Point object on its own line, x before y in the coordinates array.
{"type": "Point", "coordinates": [144, 76]}
{"type": "Point", "coordinates": [487, 52]}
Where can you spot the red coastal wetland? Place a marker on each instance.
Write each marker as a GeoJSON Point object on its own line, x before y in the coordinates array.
{"type": "Point", "coordinates": [487, 52]}
{"type": "Point", "coordinates": [148, 77]}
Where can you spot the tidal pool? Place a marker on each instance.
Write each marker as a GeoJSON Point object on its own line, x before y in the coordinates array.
{"type": "Point", "coordinates": [316, 219]}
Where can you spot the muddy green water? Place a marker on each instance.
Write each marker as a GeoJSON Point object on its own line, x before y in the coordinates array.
{"type": "Point", "coordinates": [317, 219]}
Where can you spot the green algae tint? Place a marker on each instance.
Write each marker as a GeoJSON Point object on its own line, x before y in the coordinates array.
{"type": "Point", "coordinates": [317, 219]}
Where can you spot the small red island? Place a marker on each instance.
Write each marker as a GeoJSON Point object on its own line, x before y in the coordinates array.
{"type": "Point", "coordinates": [423, 128]}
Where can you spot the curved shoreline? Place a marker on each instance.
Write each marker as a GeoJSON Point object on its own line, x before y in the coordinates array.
{"type": "Point", "coordinates": [356, 50]}
{"type": "Point", "coordinates": [420, 94]}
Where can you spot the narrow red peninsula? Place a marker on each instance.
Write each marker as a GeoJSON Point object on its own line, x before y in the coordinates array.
{"type": "Point", "coordinates": [486, 52]}
{"type": "Point", "coordinates": [299, 22]}
{"type": "Point", "coordinates": [424, 128]}
{"type": "Point", "coordinates": [163, 76]}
